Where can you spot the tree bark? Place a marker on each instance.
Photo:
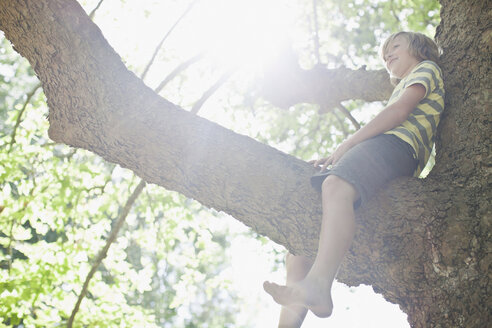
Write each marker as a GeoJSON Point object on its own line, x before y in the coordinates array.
{"type": "Point", "coordinates": [423, 244]}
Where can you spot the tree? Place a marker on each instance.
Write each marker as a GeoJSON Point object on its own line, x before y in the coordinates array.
{"type": "Point", "coordinates": [424, 244]}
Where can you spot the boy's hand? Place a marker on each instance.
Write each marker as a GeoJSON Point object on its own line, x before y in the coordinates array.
{"type": "Point", "coordinates": [333, 159]}
{"type": "Point", "coordinates": [323, 162]}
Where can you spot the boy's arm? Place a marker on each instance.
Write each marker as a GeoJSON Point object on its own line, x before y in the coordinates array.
{"type": "Point", "coordinates": [389, 118]}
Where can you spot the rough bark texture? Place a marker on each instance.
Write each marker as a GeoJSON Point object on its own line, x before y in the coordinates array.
{"type": "Point", "coordinates": [424, 244]}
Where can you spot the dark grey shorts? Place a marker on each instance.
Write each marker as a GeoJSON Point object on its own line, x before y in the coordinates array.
{"type": "Point", "coordinates": [371, 164]}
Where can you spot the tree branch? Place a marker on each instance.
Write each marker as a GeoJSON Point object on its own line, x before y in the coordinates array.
{"type": "Point", "coordinates": [19, 116]}
{"type": "Point", "coordinates": [346, 112]}
{"type": "Point", "coordinates": [287, 84]}
{"type": "Point", "coordinates": [207, 94]}
{"type": "Point", "coordinates": [144, 74]}
{"type": "Point", "coordinates": [342, 125]}
{"type": "Point", "coordinates": [103, 253]}
{"type": "Point", "coordinates": [13, 224]}
{"type": "Point", "coordinates": [93, 12]}
{"type": "Point", "coordinates": [393, 11]}
{"type": "Point", "coordinates": [99, 105]}
{"type": "Point", "coordinates": [9, 246]}
{"type": "Point", "coordinates": [181, 67]}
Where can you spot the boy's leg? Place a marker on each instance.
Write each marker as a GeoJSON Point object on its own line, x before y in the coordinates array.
{"type": "Point", "coordinates": [297, 268]}
{"type": "Point", "coordinates": [337, 232]}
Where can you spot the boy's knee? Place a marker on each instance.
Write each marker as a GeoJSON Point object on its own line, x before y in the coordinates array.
{"type": "Point", "coordinates": [331, 184]}
{"type": "Point", "coordinates": [336, 186]}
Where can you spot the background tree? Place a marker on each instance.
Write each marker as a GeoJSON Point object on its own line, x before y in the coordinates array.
{"type": "Point", "coordinates": [427, 253]}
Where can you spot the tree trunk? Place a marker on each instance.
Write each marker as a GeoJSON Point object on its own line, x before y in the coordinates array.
{"type": "Point", "coordinates": [423, 244]}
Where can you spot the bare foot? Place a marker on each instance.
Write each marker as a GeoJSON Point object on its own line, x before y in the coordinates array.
{"type": "Point", "coordinates": [303, 293]}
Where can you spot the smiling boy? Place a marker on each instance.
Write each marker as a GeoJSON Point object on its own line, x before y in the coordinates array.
{"type": "Point", "coordinates": [397, 142]}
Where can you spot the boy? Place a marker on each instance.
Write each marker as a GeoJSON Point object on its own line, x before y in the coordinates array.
{"type": "Point", "coordinates": [397, 142]}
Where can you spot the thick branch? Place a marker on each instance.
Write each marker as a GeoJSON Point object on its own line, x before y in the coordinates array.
{"type": "Point", "coordinates": [287, 85]}
{"type": "Point", "coordinates": [97, 104]}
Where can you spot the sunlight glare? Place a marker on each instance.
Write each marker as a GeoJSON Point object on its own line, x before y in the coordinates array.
{"type": "Point", "coordinates": [243, 33]}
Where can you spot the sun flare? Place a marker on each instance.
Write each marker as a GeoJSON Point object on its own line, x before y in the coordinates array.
{"type": "Point", "coordinates": [243, 33]}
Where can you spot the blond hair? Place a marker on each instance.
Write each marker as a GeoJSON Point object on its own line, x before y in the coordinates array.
{"type": "Point", "coordinates": [419, 45]}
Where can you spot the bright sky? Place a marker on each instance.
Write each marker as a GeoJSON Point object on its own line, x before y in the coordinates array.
{"type": "Point", "coordinates": [234, 32]}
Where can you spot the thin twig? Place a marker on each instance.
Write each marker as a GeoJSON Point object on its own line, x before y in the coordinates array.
{"type": "Point", "coordinates": [392, 8]}
{"type": "Point", "coordinates": [19, 116]}
{"type": "Point", "coordinates": [181, 67]}
{"type": "Point", "coordinates": [48, 144]}
{"type": "Point", "coordinates": [93, 12]}
{"type": "Point", "coordinates": [346, 112]}
{"type": "Point", "coordinates": [9, 246]}
{"type": "Point", "coordinates": [14, 221]}
{"type": "Point", "coordinates": [101, 187]}
{"type": "Point", "coordinates": [144, 74]}
{"type": "Point", "coordinates": [342, 126]}
{"type": "Point", "coordinates": [103, 253]}
{"type": "Point", "coordinates": [211, 90]}
{"type": "Point", "coordinates": [68, 155]}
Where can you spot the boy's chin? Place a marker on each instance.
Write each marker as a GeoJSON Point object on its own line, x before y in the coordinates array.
{"type": "Point", "coordinates": [396, 75]}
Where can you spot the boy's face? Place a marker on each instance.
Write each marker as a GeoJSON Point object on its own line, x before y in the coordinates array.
{"type": "Point", "coordinates": [398, 59]}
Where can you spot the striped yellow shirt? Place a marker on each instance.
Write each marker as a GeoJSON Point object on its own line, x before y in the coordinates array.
{"type": "Point", "coordinates": [420, 127]}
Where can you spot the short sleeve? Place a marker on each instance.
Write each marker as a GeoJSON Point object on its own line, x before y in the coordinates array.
{"type": "Point", "coordinates": [427, 73]}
